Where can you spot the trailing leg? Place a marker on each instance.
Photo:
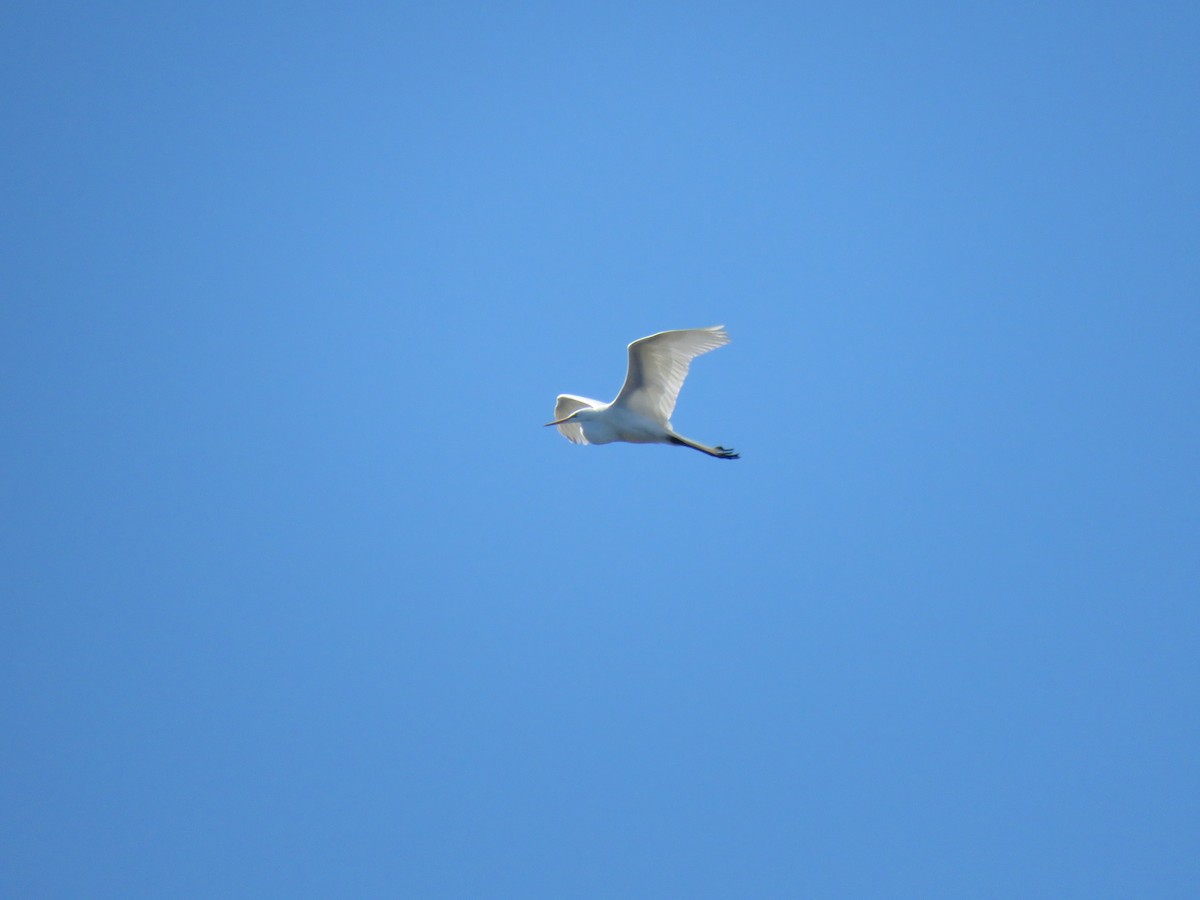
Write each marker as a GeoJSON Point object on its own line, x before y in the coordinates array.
{"type": "Point", "coordinates": [718, 452]}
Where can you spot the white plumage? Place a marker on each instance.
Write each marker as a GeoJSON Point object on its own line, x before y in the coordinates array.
{"type": "Point", "coordinates": [641, 412]}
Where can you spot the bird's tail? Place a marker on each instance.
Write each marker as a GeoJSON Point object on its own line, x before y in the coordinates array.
{"type": "Point", "coordinates": [718, 452]}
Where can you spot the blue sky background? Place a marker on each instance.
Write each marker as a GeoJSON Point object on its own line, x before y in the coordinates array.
{"type": "Point", "coordinates": [301, 600]}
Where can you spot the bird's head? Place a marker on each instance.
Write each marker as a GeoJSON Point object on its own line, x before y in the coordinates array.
{"type": "Point", "coordinates": [573, 417]}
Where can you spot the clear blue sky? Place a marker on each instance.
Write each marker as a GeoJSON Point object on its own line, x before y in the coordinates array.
{"type": "Point", "coordinates": [301, 600]}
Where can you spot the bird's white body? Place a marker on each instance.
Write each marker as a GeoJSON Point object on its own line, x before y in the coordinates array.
{"type": "Point", "coordinates": [604, 424]}
{"type": "Point", "coordinates": [641, 412]}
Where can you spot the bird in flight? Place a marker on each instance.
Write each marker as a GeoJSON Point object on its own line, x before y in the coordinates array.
{"type": "Point", "coordinates": [641, 412]}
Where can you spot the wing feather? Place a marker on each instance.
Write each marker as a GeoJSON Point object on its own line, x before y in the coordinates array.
{"type": "Point", "coordinates": [658, 365]}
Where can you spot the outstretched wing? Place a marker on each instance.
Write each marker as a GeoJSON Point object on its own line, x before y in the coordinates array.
{"type": "Point", "coordinates": [567, 404]}
{"type": "Point", "coordinates": [657, 366]}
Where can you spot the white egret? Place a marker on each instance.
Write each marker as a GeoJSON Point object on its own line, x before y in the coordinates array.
{"type": "Point", "coordinates": [641, 412]}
